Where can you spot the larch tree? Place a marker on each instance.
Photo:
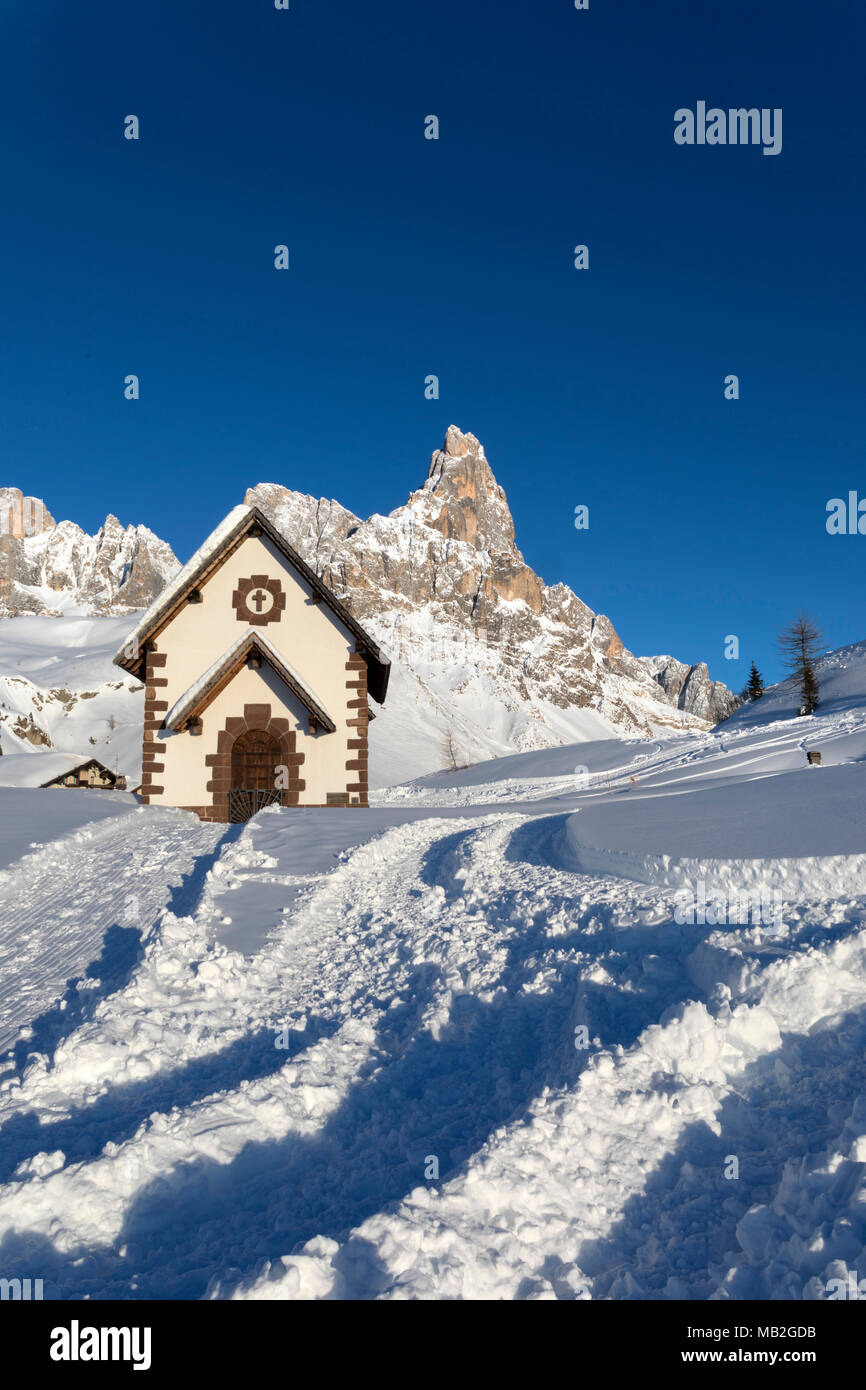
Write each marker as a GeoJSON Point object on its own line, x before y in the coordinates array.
{"type": "Point", "coordinates": [449, 748]}
{"type": "Point", "coordinates": [801, 645]}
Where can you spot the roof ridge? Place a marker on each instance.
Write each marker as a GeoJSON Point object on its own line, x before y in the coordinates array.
{"type": "Point", "coordinates": [213, 552]}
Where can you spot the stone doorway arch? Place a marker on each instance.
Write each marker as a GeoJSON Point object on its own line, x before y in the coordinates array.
{"type": "Point", "coordinates": [256, 719]}
{"type": "Point", "coordinates": [256, 755]}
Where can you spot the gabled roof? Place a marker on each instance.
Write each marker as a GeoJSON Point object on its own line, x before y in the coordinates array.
{"type": "Point", "coordinates": [220, 544]}
{"type": "Point", "coordinates": [38, 769]}
{"type": "Point", "coordinates": [217, 677]}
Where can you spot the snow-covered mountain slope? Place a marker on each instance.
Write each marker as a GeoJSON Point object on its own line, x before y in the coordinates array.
{"type": "Point", "coordinates": [487, 657]}
{"type": "Point", "coordinates": [675, 810]}
{"type": "Point", "coordinates": [475, 634]}
{"type": "Point", "coordinates": [60, 692]}
{"type": "Point", "coordinates": [446, 690]}
{"type": "Point", "coordinates": [500, 1036]}
{"type": "Point", "coordinates": [56, 568]}
{"type": "Point", "coordinates": [842, 681]}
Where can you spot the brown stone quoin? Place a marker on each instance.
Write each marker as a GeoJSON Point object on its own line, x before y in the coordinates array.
{"type": "Point", "coordinates": [255, 716]}
{"type": "Point", "coordinates": [154, 709]}
{"type": "Point", "coordinates": [358, 719]}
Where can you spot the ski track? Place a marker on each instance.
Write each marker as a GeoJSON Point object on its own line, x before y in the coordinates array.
{"type": "Point", "coordinates": [56, 912]}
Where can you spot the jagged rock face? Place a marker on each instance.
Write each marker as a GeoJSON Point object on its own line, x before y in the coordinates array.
{"type": "Point", "coordinates": [22, 516]}
{"type": "Point", "coordinates": [49, 568]}
{"type": "Point", "coordinates": [477, 637]}
{"type": "Point", "coordinates": [690, 688]}
{"type": "Point", "coordinates": [443, 574]}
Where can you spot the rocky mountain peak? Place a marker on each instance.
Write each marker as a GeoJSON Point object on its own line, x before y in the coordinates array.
{"type": "Point", "coordinates": [22, 516]}
{"type": "Point", "coordinates": [479, 640]}
{"type": "Point", "coordinates": [53, 567]}
{"type": "Point", "coordinates": [441, 583]}
{"type": "Point", "coordinates": [462, 499]}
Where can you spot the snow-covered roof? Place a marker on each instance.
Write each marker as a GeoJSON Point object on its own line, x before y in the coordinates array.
{"type": "Point", "coordinates": [165, 600]}
{"type": "Point", "coordinates": [35, 769]}
{"type": "Point", "coordinates": [231, 529]}
{"type": "Point", "coordinates": [195, 698]}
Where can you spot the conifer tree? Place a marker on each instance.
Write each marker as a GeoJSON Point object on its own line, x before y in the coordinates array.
{"type": "Point", "coordinates": [755, 684]}
{"type": "Point", "coordinates": [801, 645]}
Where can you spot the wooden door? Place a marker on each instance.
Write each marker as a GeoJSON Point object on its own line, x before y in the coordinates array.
{"type": "Point", "coordinates": [255, 758]}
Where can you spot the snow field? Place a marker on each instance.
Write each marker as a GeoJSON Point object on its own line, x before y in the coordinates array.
{"type": "Point", "coordinates": [611, 1182]}
{"type": "Point", "coordinates": [74, 908]}
{"type": "Point", "coordinates": [459, 1046]}
{"type": "Point", "coordinates": [432, 984]}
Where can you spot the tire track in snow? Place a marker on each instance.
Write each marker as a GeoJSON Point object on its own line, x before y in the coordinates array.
{"type": "Point", "coordinates": [453, 965]}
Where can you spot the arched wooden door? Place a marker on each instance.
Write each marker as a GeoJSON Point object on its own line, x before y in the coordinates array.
{"type": "Point", "coordinates": [255, 759]}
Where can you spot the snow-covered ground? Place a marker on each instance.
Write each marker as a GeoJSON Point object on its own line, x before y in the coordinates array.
{"type": "Point", "coordinates": [585, 1022]}
{"type": "Point", "coordinates": [60, 691]}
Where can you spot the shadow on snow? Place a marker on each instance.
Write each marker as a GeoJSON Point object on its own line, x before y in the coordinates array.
{"type": "Point", "coordinates": [122, 949]}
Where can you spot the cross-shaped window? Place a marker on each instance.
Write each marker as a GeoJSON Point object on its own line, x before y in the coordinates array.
{"type": "Point", "coordinates": [258, 600]}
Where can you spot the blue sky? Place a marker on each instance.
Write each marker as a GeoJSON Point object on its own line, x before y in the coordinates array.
{"type": "Point", "coordinates": [453, 257]}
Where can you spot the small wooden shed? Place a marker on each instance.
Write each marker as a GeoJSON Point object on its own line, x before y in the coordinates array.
{"type": "Point", "coordinates": [58, 770]}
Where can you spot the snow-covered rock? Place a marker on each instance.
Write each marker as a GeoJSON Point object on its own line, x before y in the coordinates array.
{"type": "Point", "coordinates": [481, 645]}
{"type": "Point", "coordinates": [56, 568]}
{"type": "Point", "coordinates": [487, 658]}
{"type": "Point", "coordinates": [690, 687]}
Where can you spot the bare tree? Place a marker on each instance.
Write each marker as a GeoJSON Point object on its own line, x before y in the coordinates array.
{"type": "Point", "coordinates": [801, 645]}
{"type": "Point", "coordinates": [449, 748]}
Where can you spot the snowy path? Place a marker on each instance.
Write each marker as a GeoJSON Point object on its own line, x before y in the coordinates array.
{"type": "Point", "coordinates": [611, 1180]}
{"type": "Point", "coordinates": [432, 1050]}
{"type": "Point", "coordinates": [345, 976]}
{"type": "Point", "coordinates": [429, 987]}
{"type": "Point", "coordinates": [88, 895]}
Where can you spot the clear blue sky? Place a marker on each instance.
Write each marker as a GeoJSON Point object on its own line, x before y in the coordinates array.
{"type": "Point", "coordinates": [454, 257]}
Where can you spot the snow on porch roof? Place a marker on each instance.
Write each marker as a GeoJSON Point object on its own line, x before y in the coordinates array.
{"type": "Point", "coordinates": [37, 769]}
{"type": "Point", "coordinates": [202, 691]}
{"type": "Point", "coordinates": [230, 530]}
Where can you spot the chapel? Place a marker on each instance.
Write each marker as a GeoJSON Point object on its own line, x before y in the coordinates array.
{"type": "Point", "coordinates": [257, 681]}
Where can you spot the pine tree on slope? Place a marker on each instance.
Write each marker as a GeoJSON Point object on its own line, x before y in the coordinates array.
{"type": "Point", "coordinates": [755, 684]}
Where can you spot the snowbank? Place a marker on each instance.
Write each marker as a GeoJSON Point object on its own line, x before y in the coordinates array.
{"type": "Point", "coordinates": [31, 818]}
{"type": "Point", "coordinates": [802, 835]}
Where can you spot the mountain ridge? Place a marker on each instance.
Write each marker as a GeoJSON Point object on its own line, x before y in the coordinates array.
{"type": "Point", "coordinates": [56, 568]}
{"type": "Point", "coordinates": [450, 555]}
{"type": "Point", "coordinates": [484, 649]}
